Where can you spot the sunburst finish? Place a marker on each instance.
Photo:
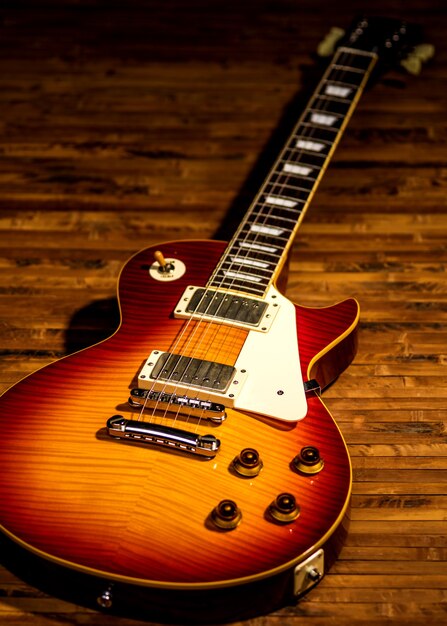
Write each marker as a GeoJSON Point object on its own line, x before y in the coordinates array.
{"type": "Point", "coordinates": [140, 514]}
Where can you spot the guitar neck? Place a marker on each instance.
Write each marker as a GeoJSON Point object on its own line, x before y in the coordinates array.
{"type": "Point", "coordinates": [259, 247]}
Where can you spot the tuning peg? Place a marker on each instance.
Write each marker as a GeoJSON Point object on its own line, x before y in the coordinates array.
{"type": "Point", "coordinates": [420, 54]}
{"type": "Point", "coordinates": [326, 47]}
{"type": "Point", "coordinates": [412, 64]}
{"type": "Point", "coordinates": [424, 51]}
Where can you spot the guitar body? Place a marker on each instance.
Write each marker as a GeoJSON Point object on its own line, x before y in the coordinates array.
{"type": "Point", "coordinates": [93, 514]}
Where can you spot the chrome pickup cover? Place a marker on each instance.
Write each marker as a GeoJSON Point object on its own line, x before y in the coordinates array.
{"type": "Point", "coordinates": [195, 372]}
{"type": "Point", "coordinates": [181, 375]}
{"type": "Point", "coordinates": [223, 306]}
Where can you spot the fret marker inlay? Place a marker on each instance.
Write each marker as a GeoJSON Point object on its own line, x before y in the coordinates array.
{"type": "Point", "coordinates": [241, 276]}
{"type": "Point", "coordinates": [258, 246]}
{"type": "Point", "coordinates": [266, 230]}
{"type": "Point", "coordinates": [337, 90]}
{"type": "Point", "coordinates": [323, 119]}
{"type": "Point", "coordinates": [245, 261]}
{"type": "Point", "coordinates": [280, 201]}
{"type": "Point", "coordinates": [301, 170]}
{"type": "Point", "coordinates": [314, 146]}
{"type": "Point", "coordinates": [254, 255]}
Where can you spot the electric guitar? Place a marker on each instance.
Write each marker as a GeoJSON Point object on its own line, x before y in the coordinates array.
{"type": "Point", "coordinates": [186, 468]}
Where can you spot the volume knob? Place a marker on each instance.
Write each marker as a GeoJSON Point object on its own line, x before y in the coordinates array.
{"type": "Point", "coordinates": [226, 515]}
{"type": "Point", "coordinates": [248, 463]}
{"type": "Point", "coordinates": [308, 461]}
{"type": "Point", "coordinates": [284, 508]}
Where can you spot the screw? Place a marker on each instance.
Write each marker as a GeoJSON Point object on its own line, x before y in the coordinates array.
{"type": "Point", "coordinates": [280, 392]}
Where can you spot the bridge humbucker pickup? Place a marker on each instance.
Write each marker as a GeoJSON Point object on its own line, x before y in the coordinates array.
{"type": "Point", "coordinates": [165, 436]}
{"type": "Point", "coordinates": [195, 372]}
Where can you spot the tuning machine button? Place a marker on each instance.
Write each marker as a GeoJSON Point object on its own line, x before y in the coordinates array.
{"type": "Point", "coordinates": [308, 461]}
{"type": "Point", "coordinates": [284, 508]}
{"type": "Point", "coordinates": [420, 54]}
{"type": "Point", "coordinates": [248, 463]}
{"type": "Point", "coordinates": [226, 515]}
{"type": "Point", "coordinates": [326, 47]}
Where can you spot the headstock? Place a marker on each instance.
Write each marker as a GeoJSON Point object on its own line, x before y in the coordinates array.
{"type": "Point", "coordinates": [395, 42]}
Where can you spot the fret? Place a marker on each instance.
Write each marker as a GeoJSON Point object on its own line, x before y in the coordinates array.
{"type": "Point", "coordinates": [258, 273]}
{"type": "Point", "coordinates": [346, 75]}
{"type": "Point", "coordinates": [319, 134]}
{"type": "Point", "coordinates": [238, 285]}
{"type": "Point", "coordinates": [347, 68]}
{"type": "Point", "coordinates": [280, 201]}
{"type": "Point", "coordinates": [268, 220]}
{"type": "Point", "coordinates": [317, 118]}
{"type": "Point", "coordinates": [331, 105]}
{"type": "Point", "coordinates": [311, 146]}
{"type": "Point", "coordinates": [359, 59]}
{"type": "Point", "coordinates": [265, 210]}
{"type": "Point", "coordinates": [247, 260]}
{"type": "Point", "coordinates": [284, 182]}
{"type": "Point", "coordinates": [337, 91]}
{"type": "Point", "coordinates": [307, 159]}
{"type": "Point", "coordinates": [270, 250]}
{"type": "Point", "coordinates": [267, 230]}
{"type": "Point", "coordinates": [300, 195]}
{"type": "Point", "coordinates": [300, 170]}
{"type": "Point", "coordinates": [253, 255]}
{"type": "Point", "coordinates": [240, 277]}
{"type": "Point", "coordinates": [262, 238]}
{"type": "Point", "coordinates": [339, 83]}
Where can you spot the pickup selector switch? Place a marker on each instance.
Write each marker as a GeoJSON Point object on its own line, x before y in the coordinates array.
{"type": "Point", "coordinates": [284, 508]}
{"type": "Point", "coordinates": [308, 461]}
{"type": "Point", "coordinates": [226, 515]}
{"type": "Point", "coordinates": [248, 463]}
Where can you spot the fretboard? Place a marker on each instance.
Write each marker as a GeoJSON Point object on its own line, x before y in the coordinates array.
{"type": "Point", "coordinates": [257, 251]}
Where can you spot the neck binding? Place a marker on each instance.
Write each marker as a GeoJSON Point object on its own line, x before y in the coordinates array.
{"type": "Point", "coordinates": [258, 249]}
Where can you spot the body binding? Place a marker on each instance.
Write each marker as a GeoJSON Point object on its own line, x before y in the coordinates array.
{"type": "Point", "coordinates": [80, 505]}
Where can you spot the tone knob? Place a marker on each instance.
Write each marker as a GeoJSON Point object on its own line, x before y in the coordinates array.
{"type": "Point", "coordinates": [248, 462]}
{"type": "Point", "coordinates": [308, 461]}
{"type": "Point", "coordinates": [226, 515]}
{"type": "Point", "coordinates": [284, 508]}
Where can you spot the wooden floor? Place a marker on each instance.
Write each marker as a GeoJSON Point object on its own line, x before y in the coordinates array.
{"type": "Point", "coordinates": [126, 124]}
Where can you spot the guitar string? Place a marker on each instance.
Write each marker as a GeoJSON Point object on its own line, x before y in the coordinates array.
{"type": "Point", "coordinates": [284, 184]}
{"type": "Point", "coordinates": [256, 204]}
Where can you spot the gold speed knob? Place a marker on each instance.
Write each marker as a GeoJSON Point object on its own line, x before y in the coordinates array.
{"type": "Point", "coordinates": [284, 508]}
{"type": "Point", "coordinates": [226, 515]}
{"type": "Point", "coordinates": [248, 462]}
{"type": "Point", "coordinates": [308, 461]}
